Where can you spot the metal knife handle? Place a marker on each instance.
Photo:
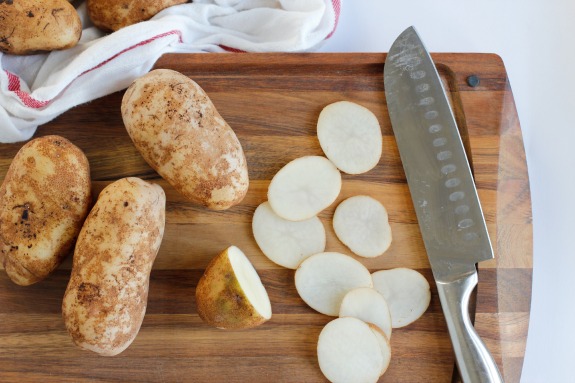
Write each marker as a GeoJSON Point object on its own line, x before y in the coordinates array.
{"type": "Point", "coordinates": [475, 363]}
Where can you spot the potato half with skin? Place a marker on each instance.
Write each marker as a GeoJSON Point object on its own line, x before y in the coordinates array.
{"type": "Point", "coordinates": [112, 15]}
{"type": "Point", "coordinates": [28, 26]}
{"type": "Point", "coordinates": [106, 298]}
{"type": "Point", "coordinates": [230, 294]}
{"type": "Point", "coordinates": [179, 132]}
{"type": "Point", "coordinates": [44, 200]}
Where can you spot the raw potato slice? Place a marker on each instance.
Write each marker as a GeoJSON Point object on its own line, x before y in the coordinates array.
{"type": "Point", "coordinates": [384, 344]}
{"type": "Point", "coordinates": [361, 223]}
{"type": "Point", "coordinates": [323, 279]}
{"type": "Point", "coordinates": [368, 305]}
{"type": "Point", "coordinates": [348, 351]}
{"type": "Point", "coordinates": [304, 187]}
{"type": "Point", "coordinates": [406, 292]}
{"type": "Point", "coordinates": [284, 242]}
{"type": "Point", "coordinates": [230, 294]}
{"type": "Point", "coordinates": [350, 136]}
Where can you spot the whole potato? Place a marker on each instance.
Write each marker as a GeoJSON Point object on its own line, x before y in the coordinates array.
{"type": "Point", "coordinates": [105, 301]}
{"type": "Point", "coordinates": [28, 26]}
{"type": "Point", "coordinates": [179, 132]}
{"type": "Point", "coordinates": [112, 15]}
{"type": "Point", "coordinates": [44, 200]}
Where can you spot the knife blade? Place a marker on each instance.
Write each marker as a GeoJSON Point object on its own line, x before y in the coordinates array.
{"type": "Point", "coordinates": [443, 192]}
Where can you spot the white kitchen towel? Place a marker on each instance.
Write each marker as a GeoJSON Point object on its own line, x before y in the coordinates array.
{"type": "Point", "coordinates": [35, 89]}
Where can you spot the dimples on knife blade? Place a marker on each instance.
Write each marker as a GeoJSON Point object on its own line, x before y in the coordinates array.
{"type": "Point", "coordinates": [434, 160]}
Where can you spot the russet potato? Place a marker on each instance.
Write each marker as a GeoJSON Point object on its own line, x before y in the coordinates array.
{"type": "Point", "coordinates": [112, 15]}
{"type": "Point", "coordinates": [179, 132]}
{"type": "Point", "coordinates": [29, 26]}
{"type": "Point", "coordinates": [106, 298]}
{"type": "Point", "coordinates": [44, 200]}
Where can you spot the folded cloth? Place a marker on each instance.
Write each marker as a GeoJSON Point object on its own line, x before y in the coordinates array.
{"type": "Point", "coordinates": [35, 89]}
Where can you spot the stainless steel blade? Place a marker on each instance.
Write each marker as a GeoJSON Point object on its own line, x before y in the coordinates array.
{"type": "Point", "coordinates": [436, 166]}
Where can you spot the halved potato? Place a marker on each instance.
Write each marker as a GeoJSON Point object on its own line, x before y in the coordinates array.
{"type": "Point", "coordinates": [230, 294]}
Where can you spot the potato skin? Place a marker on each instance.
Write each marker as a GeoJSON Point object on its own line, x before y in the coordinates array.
{"type": "Point", "coordinates": [220, 300]}
{"type": "Point", "coordinates": [111, 15]}
{"type": "Point", "coordinates": [179, 132]}
{"type": "Point", "coordinates": [44, 200]}
{"type": "Point", "coordinates": [29, 26]}
{"type": "Point", "coordinates": [106, 298]}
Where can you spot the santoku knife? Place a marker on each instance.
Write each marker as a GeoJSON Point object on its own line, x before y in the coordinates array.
{"type": "Point", "coordinates": [443, 193]}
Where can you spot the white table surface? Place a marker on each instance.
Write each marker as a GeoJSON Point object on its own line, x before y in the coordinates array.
{"type": "Point", "coordinates": [536, 40]}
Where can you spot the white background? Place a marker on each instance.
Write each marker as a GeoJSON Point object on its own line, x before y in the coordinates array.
{"type": "Point", "coordinates": [536, 40]}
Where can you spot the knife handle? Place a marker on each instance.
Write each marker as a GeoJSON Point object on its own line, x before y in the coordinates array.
{"type": "Point", "coordinates": [475, 363]}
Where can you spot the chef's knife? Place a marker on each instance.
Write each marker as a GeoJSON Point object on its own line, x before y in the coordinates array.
{"type": "Point", "coordinates": [443, 193]}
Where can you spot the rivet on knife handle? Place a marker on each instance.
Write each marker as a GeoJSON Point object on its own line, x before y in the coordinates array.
{"type": "Point", "coordinates": [443, 192]}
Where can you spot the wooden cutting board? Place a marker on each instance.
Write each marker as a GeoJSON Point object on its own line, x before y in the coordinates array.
{"type": "Point", "coordinates": [272, 101]}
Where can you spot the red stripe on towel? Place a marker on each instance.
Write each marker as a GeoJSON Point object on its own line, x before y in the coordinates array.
{"type": "Point", "coordinates": [337, 9]}
{"type": "Point", "coordinates": [31, 102]}
{"type": "Point", "coordinates": [14, 86]}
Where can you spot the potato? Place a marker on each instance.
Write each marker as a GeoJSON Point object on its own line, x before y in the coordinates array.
{"type": "Point", "coordinates": [105, 301]}
{"type": "Point", "coordinates": [112, 15]}
{"type": "Point", "coordinates": [44, 200]}
{"type": "Point", "coordinates": [179, 132]}
{"type": "Point", "coordinates": [28, 26]}
{"type": "Point", "coordinates": [230, 293]}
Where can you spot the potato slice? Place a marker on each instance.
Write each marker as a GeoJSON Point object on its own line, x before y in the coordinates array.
{"type": "Point", "coordinates": [361, 223]}
{"type": "Point", "coordinates": [287, 243]}
{"type": "Point", "coordinates": [324, 279]}
{"type": "Point", "coordinates": [304, 187]}
{"type": "Point", "coordinates": [384, 344]}
{"type": "Point", "coordinates": [368, 305]}
{"type": "Point", "coordinates": [348, 351]}
{"type": "Point", "coordinates": [407, 294]}
{"type": "Point", "coordinates": [230, 294]}
{"type": "Point", "coordinates": [350, 136]}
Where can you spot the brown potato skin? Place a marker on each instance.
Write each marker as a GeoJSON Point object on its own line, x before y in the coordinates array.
{"type": "Point", "coordinates": [220, 300]}
{"type": "Point", "coordinates": [111, 15]}
{"type": "Point", "coordinates": [44, 200]}
{"type": "Point", "coordinates": [179, 132]}
{"type": "Point", "coordinates": [29, 26]}
{"type": "Point", "coordinates": [106, 298]}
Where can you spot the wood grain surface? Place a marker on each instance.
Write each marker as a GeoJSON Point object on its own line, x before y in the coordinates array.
{"type": "Point", "coordinates": [272, 101]}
